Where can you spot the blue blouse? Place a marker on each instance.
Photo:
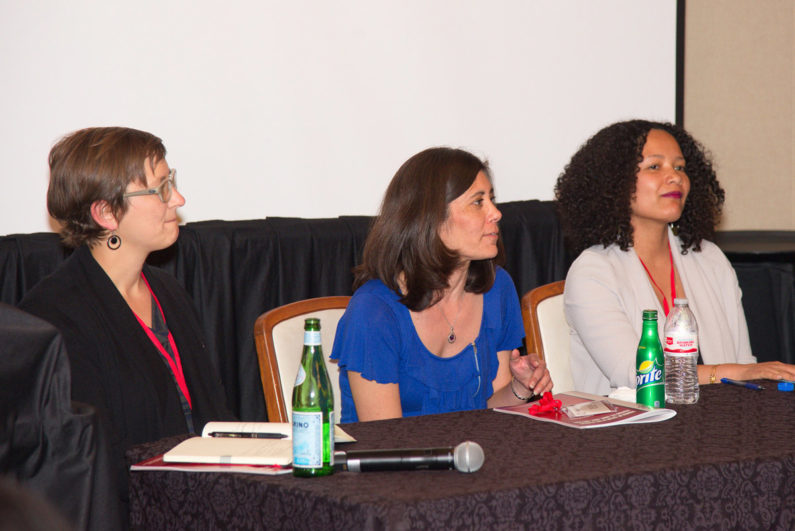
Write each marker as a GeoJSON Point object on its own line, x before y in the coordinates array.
{"type": "Point", "coordinates": [376, 337]}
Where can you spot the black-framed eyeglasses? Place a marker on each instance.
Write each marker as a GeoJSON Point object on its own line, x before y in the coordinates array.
{"type": "Point", "coordinates": [163, 190]}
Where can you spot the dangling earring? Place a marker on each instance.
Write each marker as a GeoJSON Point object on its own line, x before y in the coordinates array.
{"type": "Point", "coordinates": [114, 241]}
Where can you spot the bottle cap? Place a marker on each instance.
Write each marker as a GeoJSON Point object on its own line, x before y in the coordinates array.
{"type": "Point", "coordinates": [680, 302]}
{"type": "Point", "coordinates": [649, 314]}
{"type": "Point", "coordinates": [786, 386]}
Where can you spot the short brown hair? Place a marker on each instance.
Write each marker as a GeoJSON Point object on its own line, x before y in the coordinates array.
{"type": "Point", "coordinates": [96, 164]}
{"type": "Point", "coordinates": [404, 241]}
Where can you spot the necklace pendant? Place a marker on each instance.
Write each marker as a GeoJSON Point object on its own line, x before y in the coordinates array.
{"type": "Point", "coordinates": [451, 337]}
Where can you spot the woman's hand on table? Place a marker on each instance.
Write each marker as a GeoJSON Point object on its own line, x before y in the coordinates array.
{"type": "Point", "coordinates": [767, 370]}
{"type": "Point", "coordinates": [770, 370]}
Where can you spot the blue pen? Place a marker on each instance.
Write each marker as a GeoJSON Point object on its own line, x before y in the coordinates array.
{"type": "Point", "coordinates": [747, 385]}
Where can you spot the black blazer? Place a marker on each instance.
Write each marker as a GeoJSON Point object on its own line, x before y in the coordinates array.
{"type": "Point", "coordinates": [115, 367]}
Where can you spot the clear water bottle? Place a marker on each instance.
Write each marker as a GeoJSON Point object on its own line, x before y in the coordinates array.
{"type": "Point", "coordinates": [680, 348]}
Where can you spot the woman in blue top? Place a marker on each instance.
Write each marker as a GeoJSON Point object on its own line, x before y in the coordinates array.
{"type": "Point", "coordinates": [434, 324]}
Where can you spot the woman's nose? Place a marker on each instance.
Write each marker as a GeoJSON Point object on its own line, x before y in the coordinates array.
{"type": "Point", "coordinates": [496, 215]}
{"type": "Point", "coordinates": [674, 176]}
{"type": "Point", "coordinates": [177, 199]}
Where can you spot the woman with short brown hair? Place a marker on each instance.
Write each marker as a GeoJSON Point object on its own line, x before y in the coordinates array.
{"type": "Point", "coordinates": [134, 340]}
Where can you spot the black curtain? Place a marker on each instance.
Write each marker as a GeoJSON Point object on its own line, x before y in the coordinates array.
{"type": "Point", "coordinates": [237, 270]}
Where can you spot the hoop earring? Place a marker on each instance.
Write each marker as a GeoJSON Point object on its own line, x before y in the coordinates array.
{"type": "Point", "coordinates": [114, 242]}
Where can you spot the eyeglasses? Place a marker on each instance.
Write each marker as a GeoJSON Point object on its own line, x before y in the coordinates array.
{"type": "Point", "coordinates": [163, 190]}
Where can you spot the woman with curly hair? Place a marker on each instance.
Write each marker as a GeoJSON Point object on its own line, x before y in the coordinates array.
{"type": "Point", "coordinates": [640, 200]}
{"type": "Point", "coordinates": [434, 323]}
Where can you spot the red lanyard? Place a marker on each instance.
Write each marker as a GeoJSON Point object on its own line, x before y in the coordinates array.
{"type": "Point", "coordinates": [175, 363]}
{"type": "Point", "coordinates": [673, 282]}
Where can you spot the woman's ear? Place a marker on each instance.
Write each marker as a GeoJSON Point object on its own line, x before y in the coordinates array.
{"type": "Point", "coordinates": [103, 215]}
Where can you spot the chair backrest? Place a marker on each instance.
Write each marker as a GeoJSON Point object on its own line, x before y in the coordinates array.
{"type": "Point", "coordinates": [547, 331]}
{"type": "Point", "coordinates": [49, 443]}
{"type": "Point", "coordinates": [279, 336]}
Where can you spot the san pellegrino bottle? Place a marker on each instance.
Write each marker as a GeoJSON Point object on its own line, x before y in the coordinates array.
{"type": "Point", "coordinates": [681, 355]}
{"type": "Point", "coordinates": [650, 364]}
{"type": "Point", "coordinates": [313, 409]}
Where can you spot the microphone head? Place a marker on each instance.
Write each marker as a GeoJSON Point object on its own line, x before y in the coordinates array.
{"type": "Point", "coordinates": [468, 457]}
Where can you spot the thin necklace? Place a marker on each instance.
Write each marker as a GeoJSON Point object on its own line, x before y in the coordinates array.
{"type": "Point", "coordinates": [451, 337]}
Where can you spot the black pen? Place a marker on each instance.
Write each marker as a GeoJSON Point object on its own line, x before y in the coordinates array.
{"type": "Point", "coordinates": [248, 435]}
{"type": "Point", "coordinates": [747, 385]}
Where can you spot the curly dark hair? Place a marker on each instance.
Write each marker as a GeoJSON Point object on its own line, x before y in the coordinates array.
{"type": "Point", "coordinates": [595, 190]}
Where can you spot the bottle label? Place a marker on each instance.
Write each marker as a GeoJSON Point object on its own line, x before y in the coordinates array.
{"type": "Point", "coordinates": [307, 439]}
{"type": "Point", "coordinates": [311, 337]}
{"type": "Point", "coordinates": [300, 376]}
{"type": "Point", "coordinates": [650, 384]}
{"type": "Point", "coordinates": [649, 373]}
{"type": "Point", "coordinates": [680, 342]}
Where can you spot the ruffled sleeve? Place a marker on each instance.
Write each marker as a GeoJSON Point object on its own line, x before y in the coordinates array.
{"type": "Point", "coordinates": [369, 336]}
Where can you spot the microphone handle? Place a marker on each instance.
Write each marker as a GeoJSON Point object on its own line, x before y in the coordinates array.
{"type": "Point", "coordinates": [408, 459]}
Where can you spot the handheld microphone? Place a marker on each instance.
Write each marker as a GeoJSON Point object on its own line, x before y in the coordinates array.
{"type": "Point", "coordinates": [466, 457]}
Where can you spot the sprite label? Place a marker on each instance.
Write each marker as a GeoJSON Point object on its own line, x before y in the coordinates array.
{"type": "Point", "coordinates": [650, 384]}
{"type": "Point", "coordinates": [650, 364]}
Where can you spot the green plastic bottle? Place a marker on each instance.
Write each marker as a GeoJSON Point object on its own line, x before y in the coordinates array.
{"type": "Point", "coordinates": [650, 364]}
{"type": "Point", "coordinates": [313, 409]}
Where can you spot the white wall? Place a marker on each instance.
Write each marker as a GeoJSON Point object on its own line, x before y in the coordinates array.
{"type": "Point", "coordinates": [740, 103]}
{"type": "Point", "coordinates": [307, 108]}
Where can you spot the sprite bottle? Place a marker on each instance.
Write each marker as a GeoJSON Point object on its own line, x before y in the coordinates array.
{"type": "Point", "coordinates": [650, 364]}
{"type": "Point", "coordinates": [313, 409]}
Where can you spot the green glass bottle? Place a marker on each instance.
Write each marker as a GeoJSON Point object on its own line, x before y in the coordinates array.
{"type": "Point", "coordinates": [313, 409]}
{"type": "Point", "coordinates": [650, 364]}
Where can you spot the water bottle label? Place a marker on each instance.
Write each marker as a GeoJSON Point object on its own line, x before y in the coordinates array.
{"type": "Point", "coordinates": [331, 435]}
{"type": "Point", "coordinates": [680, 342]}
{"type": "Point", "coordinates": [307, 439]}
{"type": "Point", "coordinates": [311, 337]}
{"type": "Point", "coordinates": [300, 376]}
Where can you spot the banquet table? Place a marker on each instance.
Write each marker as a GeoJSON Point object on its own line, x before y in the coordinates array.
{"type": "Point", "coordinates": [726, 462]}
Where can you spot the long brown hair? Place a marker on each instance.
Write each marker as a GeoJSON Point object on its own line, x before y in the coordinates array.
{"type": "Point", "coordinates": [403, 248]}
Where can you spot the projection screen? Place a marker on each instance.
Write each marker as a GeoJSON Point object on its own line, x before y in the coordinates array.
{"type": "Point", "coordinates": [307, 108]}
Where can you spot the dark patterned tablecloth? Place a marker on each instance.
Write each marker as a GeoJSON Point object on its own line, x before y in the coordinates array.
{"type": "Point", "coordinates": [727, 462]}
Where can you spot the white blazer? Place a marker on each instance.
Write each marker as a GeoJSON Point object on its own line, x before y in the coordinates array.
{"type": "Point", "coordinates": [607, 290]}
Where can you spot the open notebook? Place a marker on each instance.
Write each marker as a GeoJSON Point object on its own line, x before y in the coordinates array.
{"type": "Point", "coordinates": [249, 447]}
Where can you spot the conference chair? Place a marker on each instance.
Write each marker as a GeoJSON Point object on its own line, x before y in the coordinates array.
{"type": "Point", "coordinates": [48, 442]}
{"type": "Point", "coordinates": [279, 336]}
{"type": "Point", "coordinates": [547, 332]}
